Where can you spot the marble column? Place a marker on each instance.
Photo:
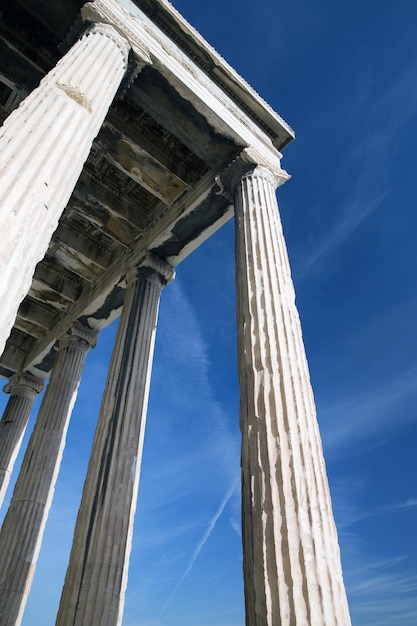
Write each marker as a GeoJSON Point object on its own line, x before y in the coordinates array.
{"type": "Point", "coordinates": [292, 568]}
{"type": "Point", "coordinates": [23, 526]}
{"type": "Point", "coordinates": [43, 146]}
{"type": "Point", "coordinates": [23, 389]}
{"type": "Point", "coordinates": [96, 579]}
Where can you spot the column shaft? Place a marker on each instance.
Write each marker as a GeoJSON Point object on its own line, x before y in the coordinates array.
{"type": "Point", "coordinates": [96, 579]}
{"type": "Point", "coordinates": [23, 389]}
{"type": "Point", "coordinates": [23, 526]}
{"type": "Point", "coordinates": [43, 146]}
{"type": "Point", "coordinates": [292, 566]}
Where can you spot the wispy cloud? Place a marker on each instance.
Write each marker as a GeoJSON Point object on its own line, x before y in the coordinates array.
{"type": "Point", "coordinates": [382, 594]}
{"type": "Point", "coordinates": [381, 589]}
{"type": "Point", "coordinates": [236, 525]}
{"type": "Point", "coordinates": [354, 189]}
{"type": "Point", "coordinates": [191, 463]}
{"type": "Point", "coordinates": [189, 401]}
{"type": "Point", "coordinates": [354, 517]}
{"type": "Point", "coordinates": [200, 545]}
{"type": "Point", "coordinates": [359, 207]}
{"type": "Point", "coordinates": [376, 411]}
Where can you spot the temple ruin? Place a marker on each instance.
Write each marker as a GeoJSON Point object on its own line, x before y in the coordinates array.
{"type": "Point", "coordinates": [126, 142]}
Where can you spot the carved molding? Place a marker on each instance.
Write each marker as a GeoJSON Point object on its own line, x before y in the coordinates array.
{"type": "Point", "coordinates": [92, 12]}
{"type": "Point", "coordinates": [192, 83]}
{"type": "Point", "coordinates": [80, 336]}
{"type": "Point", "coordinates": [157, 266]}
{"type": "Point", "coordinates": [21, 382]}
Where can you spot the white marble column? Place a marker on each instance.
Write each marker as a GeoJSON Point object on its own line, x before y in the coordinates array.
{"type": "Point", "coordinates": [23, 526]}
{"type": "Point", "coordinates": [43, 146]}
{"type": "Point", "coordinates": [292, 566]}
{"type": "Point", "coordinates": [96, 579]}
{"type": "Point", "coordinates": [23, 389]}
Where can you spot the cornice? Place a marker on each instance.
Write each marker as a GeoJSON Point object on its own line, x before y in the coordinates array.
{"type": "Point", "coordinates": [192, 83]}
{"type": "Point", "coordinates": [174, 25]}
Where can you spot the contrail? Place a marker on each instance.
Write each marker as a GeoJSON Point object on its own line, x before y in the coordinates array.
{"type": "Point", "coordinates": [201, 544]}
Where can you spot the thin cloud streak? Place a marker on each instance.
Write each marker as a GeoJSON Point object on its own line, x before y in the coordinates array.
{"type": "Point", "coordinates": [411, 503]}
{"type": "Point", "coordinates": [365, 167]}
{"type": "Point", "coordinates": [351, 219]}
{"type": "Point", "coordinates": [201, 544]}
{"type": "Point", "coordinates": [359, 417]}
{"type": "Point", "coordinates": [384, 598]}
{"type": "Point", "coordinates": [185, 349]}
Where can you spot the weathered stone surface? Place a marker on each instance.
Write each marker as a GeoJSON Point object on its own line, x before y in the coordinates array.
{"type": "Point", "coordinates": [292, 564]}
{"type": "Point", "coordinates": [43, 145]}
{"type": "Point", "coordinates": [23, 526]}
{"type": "Point", "coordinates": [149, 184]}
{"type": "Point", "coordinates": [141, 166]}
{"type": "Point", "coordinates": [23, 389]}
{"type": "Point", "coordinates": [151, 167]}
{"type": "Point", "coordinates": [96, 579]}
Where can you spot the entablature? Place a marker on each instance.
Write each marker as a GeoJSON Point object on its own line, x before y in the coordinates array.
{"type": "Point", "coordinates": [150, 183]}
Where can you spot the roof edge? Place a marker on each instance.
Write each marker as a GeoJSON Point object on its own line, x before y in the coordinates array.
{"type": "Point", "coordinates": [189, 40]}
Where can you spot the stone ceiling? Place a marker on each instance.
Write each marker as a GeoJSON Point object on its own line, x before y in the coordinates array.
{"type": "Point", "coordinates": [148, 184]}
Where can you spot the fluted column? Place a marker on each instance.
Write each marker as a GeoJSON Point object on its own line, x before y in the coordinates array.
{"type": "Point", "coordinates": [23, 389]}
{"type": "Point", "coordinates": [292, 566]}
{"type": "Point", "coordinates": [23, 526]}
{"type": "Point", "coordinates": [43, 146]}
{"type": "Point", "coordinates": [96, 579]}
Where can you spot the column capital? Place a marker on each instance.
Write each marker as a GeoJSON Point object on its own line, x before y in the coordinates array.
{"type": "Point", "coordinates": [95, 14]}
{"type": "Point", "coordinates": [24, 384]}
{"type": "Point", "coordinates": [153, 265]}
{"type": "Point", "coordinates": [80, 336]}
{"type": "Point", "coordinates": [251, 162]}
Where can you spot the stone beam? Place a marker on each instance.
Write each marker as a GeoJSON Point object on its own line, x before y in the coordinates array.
{"type": "Point", "coordinates": [141, 166]}
{"type": "Point", "coordinates": [117, 120]}
{"type": "Point", "coordinates": [100, 196]}
{"type": "Point", "coordinates": [187, 38]}
{"type": "Point", "coordinates": [153, 93]}
{"type": "Point", "coordinates": [17, 348]}
{"type": "Point", "coordinates": [223, 114]}
{"type": "Point", "coordinates": [17, 68]}
{"type": "Point", "coordinates": [94, 294]}
{"type": "Point", "coordinates": [106, 218]}
{"type": "Point", "coordinates": [50, 285]}
{"type": "Point", "coordinates": [85, 247]}
{"type": "Point", "coordinates": [194, 226]}
{"type": "Point", "coordinates": [74, 260]}
{"type": "Point", "coordinates": [31, 328]}
{"type": "Point", "coordinates": [37, 313]}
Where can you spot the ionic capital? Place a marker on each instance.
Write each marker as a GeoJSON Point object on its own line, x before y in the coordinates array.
{"type": "Point", "coordinates": [152, 265]}
{"type": "Point", "coordinates": [94, 13]}
{"type": "Point", "coordinates": [251, 163]}
{"type": "Point", "coordinates": [24, 384]}
{"type": "Point", "coordinates": [79, 336]}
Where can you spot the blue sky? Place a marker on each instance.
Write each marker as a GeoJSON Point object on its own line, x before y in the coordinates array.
{"type": "Point", "coordinates": [343, 75]}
